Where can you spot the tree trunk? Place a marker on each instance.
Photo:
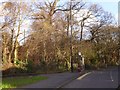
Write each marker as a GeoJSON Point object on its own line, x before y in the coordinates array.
{"type": "Point", "coordinates": [68, 25]}
{"type": "Point", "coordinates": [81, 32]}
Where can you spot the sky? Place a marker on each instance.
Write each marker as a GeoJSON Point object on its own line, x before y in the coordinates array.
{"type": "Point", "coordinates": [108, 5]}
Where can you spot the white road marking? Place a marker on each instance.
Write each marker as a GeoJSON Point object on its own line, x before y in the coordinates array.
{"type": "Point", "coordinates": [83, 76]}
{"type": "Point", "coordinates": [111, 76]}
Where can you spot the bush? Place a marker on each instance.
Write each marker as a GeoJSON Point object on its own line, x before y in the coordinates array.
{"type": "Point", "coordinates": [13, 71]}
{"type": "Point", "coordinates": [30, 66]}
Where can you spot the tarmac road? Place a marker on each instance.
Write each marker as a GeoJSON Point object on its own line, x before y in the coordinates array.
{"type": "Point", "coordinates": [107, 78]}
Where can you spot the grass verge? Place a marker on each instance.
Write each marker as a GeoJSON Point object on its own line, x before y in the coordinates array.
{"type": "Point", "coordinates": [15, 82]}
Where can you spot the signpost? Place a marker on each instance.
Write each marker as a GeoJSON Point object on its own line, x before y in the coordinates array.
{"type": "Point", "coordinates": [81, 60]}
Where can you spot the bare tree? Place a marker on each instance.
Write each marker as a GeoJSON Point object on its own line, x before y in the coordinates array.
{"type": "Point", "coordinates": [13, 18]}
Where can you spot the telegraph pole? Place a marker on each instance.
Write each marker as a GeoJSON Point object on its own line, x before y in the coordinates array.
{"type": "Point", "coordinates": [71, 56]}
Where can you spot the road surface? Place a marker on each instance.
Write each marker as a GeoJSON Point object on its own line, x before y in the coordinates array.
{"type": "Point", "coordinates": [53, 81]}
{"type": "Point", "coordinates": [107, 78]}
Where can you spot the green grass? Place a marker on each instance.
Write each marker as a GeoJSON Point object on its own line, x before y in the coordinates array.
{"type": "Point", "coordinates": [15, 82]}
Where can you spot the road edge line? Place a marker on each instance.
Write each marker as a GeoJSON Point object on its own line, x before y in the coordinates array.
{"type": "Point", "coordinates": [83, 75]}
{"type": "Point", "coordinates": [68, 81]}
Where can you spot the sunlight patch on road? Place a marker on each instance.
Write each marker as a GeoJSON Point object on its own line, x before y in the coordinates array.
{"type": "Point", "coordinates": [83, 76]}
